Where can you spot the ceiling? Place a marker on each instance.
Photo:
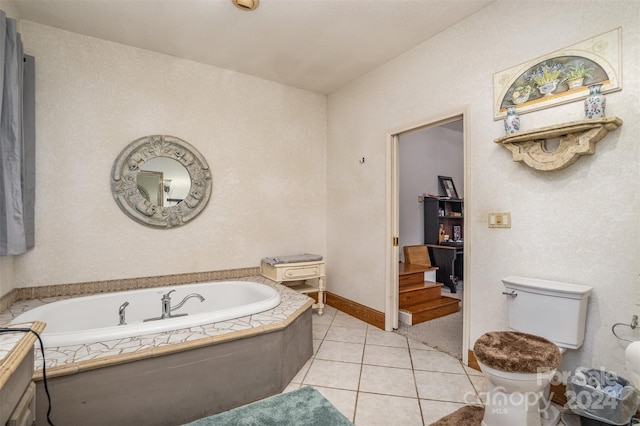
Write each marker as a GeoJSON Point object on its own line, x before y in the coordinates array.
{"type": "Point", "coordinates": [317, 45]}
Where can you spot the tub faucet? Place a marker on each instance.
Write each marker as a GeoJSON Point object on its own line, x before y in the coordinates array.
{"type": "Point", "coordinates": [121, 313]}
{"type": "Point", "coordinates": [166, 305]}
{"type": "Point", "coordinates": [167, 309]}
{"type": "Point", "coordinates": [187, 297]}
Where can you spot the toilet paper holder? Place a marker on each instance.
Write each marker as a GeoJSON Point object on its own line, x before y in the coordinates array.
{"type": "Point", "coordinates": [633, 325]}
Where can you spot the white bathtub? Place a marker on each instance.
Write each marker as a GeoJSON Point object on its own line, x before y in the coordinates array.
{"type": "Point", "coordinates": [91, 319]}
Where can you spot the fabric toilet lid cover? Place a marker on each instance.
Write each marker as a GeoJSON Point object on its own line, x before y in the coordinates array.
{"type": "Point", "coordinates": [517, 352]}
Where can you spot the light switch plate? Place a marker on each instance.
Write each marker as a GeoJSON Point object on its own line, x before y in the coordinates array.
{"type": "Point", "coordinates": [500, 220]}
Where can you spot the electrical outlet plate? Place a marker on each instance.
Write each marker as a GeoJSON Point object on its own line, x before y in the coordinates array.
{"type": "Point", "coordinates": [500, 220]}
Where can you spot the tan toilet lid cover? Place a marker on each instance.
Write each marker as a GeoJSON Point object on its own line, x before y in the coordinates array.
{"type": "Point", "coordinates": [517, 352]}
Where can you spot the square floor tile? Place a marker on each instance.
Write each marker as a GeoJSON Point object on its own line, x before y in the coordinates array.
{"type": "Point", "coordinates": [414, 344]}
{"type": "Point", "coordinates": [435, 410]}
{"type": "Point", "coordinates": [316, 345]}
{"type": "Point", "coordinates": [343, 320]}
{"type": "Point", "coordinates": [481, 385]}
{"type": "Point", "coordinates": [435, 361]}
{"type": "Point", "coordinates": [387, 356]}
{"type": "Point", "coordinates": [326, 318]}
{"type": "Point", "coordinates": [329, 310]}
{"type": "Point", "coordinates": [319, 331]}
{"type": "Point", "coordinates": [387, 381]}
{"type": "Point", "coordinates": [386, 410]}
{"type": "Point", "coordinates": [375, 336]}
{"type": "Point", "coordinates": [340, 351]}
{"type": "Point", "coordinates": [445, 387]}
{"type": "Point", "coordinates": [346, 334]}
{"type": "Point", "coordinates": [343, 400]}
{"type": "Point", "coordinates": [333, 374]}
{"type": "Point", "coordinates": [291, 387]}
{"type": "Point", "coordinates": [472, 371]}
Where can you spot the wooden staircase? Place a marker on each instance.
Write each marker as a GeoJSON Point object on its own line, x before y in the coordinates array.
{"type": "Point", "coordinates": [419, 298]}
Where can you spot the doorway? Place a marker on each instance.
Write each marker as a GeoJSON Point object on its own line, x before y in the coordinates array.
{"type": "Point", "coordinates": [405, 207]}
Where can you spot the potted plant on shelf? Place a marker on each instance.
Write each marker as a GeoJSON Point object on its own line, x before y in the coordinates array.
{"type": "Point", "coordinates": [576, 75]}
{"type": "Point", "coordinates": [521, 94]}
{"type": "Point", "coordinates": [546, 77]}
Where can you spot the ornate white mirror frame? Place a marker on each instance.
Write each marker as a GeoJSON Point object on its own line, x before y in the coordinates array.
{"type": "Point", "coordinates": [124, 183]}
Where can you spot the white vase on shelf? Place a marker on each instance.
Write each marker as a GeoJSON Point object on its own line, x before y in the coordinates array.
{"type": "Point", "coordinates": [595, 103]}
{"type": "Point", "coordinates": [511, 121]}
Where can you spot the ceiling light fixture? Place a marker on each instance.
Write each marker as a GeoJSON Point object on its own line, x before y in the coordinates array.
{"type": "Point", "coordinates": [246, 4]}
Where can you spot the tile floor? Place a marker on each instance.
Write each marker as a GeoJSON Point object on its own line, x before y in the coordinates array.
{"type": "Point", "coordinates": [382, 378]}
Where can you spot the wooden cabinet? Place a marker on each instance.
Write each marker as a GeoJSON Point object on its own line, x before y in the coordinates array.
{"type": "Point", "coordinates": [446, 255]}
{"type": "Point", "coordinates": [304, 277]}
{"type": "Point", "coordinates": [448, 213]}
{"type": "Point", "coordinates": [17, 391]}
{"type": "Point", "coordinates": [25, 411]}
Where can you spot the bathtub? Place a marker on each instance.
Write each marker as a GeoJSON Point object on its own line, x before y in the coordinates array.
{"type": "Point", "coordinates": [92, 319]}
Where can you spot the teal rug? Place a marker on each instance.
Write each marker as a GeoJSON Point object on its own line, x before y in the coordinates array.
{"type": "Point", "coordinates": [302, 407]}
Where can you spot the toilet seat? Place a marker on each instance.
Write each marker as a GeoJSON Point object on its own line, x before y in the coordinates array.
{"type": "Point", "coordinates": [517, 352]}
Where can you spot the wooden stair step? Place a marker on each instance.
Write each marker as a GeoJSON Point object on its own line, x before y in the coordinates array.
{"type": "Point", "coordinates": [419, 293]}
{"type": "Point", "coordinates": [421, 286]}
{"type": "Point", "coordinates": [412, 274]}
{"type": "Point", "coordinates": [433, 309]}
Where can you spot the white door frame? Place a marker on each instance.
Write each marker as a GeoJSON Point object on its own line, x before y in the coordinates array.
{"type": "Point", "coordinates": [392, 227]}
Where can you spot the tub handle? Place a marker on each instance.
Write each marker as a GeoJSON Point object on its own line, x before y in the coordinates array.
{"type": "Point", "coordinates": [121, 313]}
{"type": "Point", "coordinates": [511, 293]}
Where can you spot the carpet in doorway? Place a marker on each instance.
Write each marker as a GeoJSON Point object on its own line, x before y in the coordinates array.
{"type": "Point", "coordinates": [304, 406]}
{"type": "Point", "coordinates": [444, 333]}
{"type": "Point", "coordinates": [469, 415]}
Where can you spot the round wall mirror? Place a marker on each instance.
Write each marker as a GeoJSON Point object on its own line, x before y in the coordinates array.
{"type": "Point", "coordinates": [161, 181]}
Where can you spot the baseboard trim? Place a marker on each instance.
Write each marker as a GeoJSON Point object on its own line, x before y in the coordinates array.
{"type": "Point", "coordinates": [473, 362]}
{"type": "Point", "coordinates": [364, 313]}
{"type": "Point", "coordinates": [558, 392]}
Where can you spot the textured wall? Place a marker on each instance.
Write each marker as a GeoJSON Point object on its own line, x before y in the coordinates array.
{"type": "Point", "coordinates": [264, 142]}
{"type": "Point", "coordinates": [6, 274]}
{"type": "Point", "coordinates": [577, 225]}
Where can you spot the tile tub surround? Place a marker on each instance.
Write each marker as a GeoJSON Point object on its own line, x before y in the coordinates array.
{"type": "Point", "coordinates": [177, 357]}
{"type": "Point", "coordinates": [71, 359]}
{"type": "Point", "coordinates": [93, 287]}
{"type": "Point", "coordinates": [181, 386]}
{"type": "Point", "coordinates": [12, 344]}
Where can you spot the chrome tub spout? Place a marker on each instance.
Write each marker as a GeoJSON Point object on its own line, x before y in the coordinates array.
{"type": "Point", "coordinates": [167, 309]}
{"type": "Point", "coordinates": [189, 296]}
{"type": "Point", "coordinates": [121, 313]}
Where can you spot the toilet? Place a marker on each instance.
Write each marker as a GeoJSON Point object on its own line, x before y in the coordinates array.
{"type": "Point", "coordinates": [632, 359]}
{"type": "Point", "coordinates": [545, 319]}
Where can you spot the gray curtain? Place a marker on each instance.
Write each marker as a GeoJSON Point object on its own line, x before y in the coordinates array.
{"type": "Point", "coordinates": [17, 142]}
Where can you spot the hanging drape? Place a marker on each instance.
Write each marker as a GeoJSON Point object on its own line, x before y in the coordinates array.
{"type": "Point", "coordinates": [17, 142]}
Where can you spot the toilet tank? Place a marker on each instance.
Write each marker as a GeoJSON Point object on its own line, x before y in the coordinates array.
{"type": "Point", "coordinates": [554, 310]}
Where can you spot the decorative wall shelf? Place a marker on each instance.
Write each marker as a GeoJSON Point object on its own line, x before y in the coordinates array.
{"type": "Point", "coordinates": [576, 138]}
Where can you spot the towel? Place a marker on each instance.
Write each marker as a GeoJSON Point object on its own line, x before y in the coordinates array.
{"type": "Point", "coordinates": [296, 258]}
